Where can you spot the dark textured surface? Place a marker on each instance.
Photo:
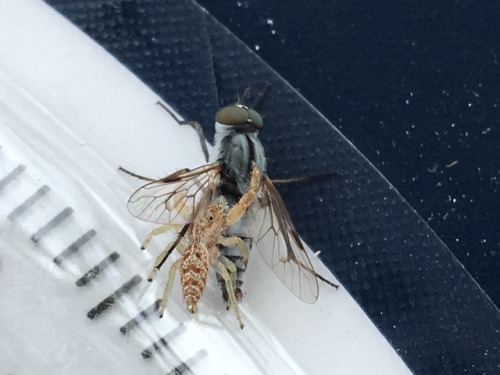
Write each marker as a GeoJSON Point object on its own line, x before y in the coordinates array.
{"type": "Point", "coordinates": [415, 86]}
{"type": "Point", "coordinates": [404, 277]}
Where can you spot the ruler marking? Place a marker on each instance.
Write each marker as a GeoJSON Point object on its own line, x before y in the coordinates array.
{"type": "Point", "coordinates": [143, 315]}
{"type": "Point", "coordinates": [12, 176]}
{"type": "Point", "coordinates": [51, 224]}
{"type": "Point", "coordinates": [111, 299]}
{"type": "Point", "coordinates": [96, 270]}
{"type": "Point", "coordinates": [164, 342]}
{"type": "Point", "coordinates": [185, 366]}
{"type": "Point", "coordinates": [75, 246]}
{"type": "Point", "coordinates": [29, 202]}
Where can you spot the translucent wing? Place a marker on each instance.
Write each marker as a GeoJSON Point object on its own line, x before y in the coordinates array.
{"type": "Point", "coordinates": [175, 199]}
{"type": "Point", "coordinates": [280, 245]}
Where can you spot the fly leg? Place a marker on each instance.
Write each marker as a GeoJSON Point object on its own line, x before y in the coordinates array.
{"type": "Point", "coordinates": [171, 276]}
{"type": "Point", "coordinates": [136, 175]}
{"type": "Point", "coordinates": [194, 124]}
{"type": "Point", "coordinates": [221, 269]}
{"type": "Point", "coordinates": [325, 280]}
{"type": "Point", "coordinates": [282, 181]}
{"type": "Point", "coordinates": [234, 240]}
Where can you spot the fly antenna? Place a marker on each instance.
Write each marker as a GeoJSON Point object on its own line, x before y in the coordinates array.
{"type": "Point", "coordinates": [261, 96]}
{"type": "Point", "coordinates": [243, 96]}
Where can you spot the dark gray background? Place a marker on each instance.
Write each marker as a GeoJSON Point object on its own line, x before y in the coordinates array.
{"type": "Point", "coordinates": [415, 86]}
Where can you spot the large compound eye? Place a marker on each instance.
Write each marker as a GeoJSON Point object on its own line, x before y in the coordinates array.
{"type": "Point", "coordinates": [238, 115]}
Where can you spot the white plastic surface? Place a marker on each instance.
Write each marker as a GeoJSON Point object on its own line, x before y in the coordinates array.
{"type": "Point", "coordinates": [71, 114]}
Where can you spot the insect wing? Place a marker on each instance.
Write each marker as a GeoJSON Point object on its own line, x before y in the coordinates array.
{"type": "Point", "coordinates": [280, 245]}
{"type": "Point", "coordinates": [175, 199]}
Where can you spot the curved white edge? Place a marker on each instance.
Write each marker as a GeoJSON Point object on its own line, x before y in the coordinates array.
{"type": "Point", "coordinates": [113, 119]}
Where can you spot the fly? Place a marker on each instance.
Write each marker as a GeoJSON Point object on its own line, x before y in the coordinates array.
{"type": "Point", "coordinates": [267, 224]}
{"type": "Point", "coordinates": [201, 235]}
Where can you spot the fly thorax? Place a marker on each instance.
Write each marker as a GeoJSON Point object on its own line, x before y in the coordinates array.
{"type": "Point", "coordinates": [221, 131]}
{"type": "Point", "coordinates": [259, 156]}
{"type": "Point", "coordinates": [237, 151]}
{"type": "Point", "coordinates": [239, 229]}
